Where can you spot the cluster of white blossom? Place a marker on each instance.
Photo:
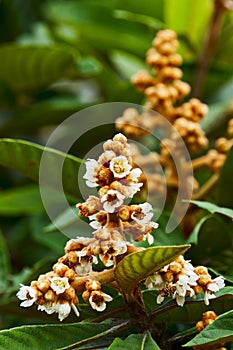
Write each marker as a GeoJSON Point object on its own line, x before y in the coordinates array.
{"type": "Point", "coordinates": [180, 279]}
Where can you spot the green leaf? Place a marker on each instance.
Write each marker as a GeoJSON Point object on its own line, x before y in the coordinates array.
{"type": "Point", "coordinates": [53, 337]}
{"type": "Point", "coordinates": [184, 334]}
{"type": "Point", "coordinates": [220, 331]}
{"type": "Point", "coordinates": [149, 21]}
{"type": "Point", "coordinates": [137, 266]}
{"type": "Point", "coordinates": [213, 208]}
{"type": "Point", "coordinates": [192, 310]}
{"type": "Point", "coordinates": [48, 112]}
{"type": "Point", "coordinates": [28, 68]}
{"type": "Point", "coordinates": [193, 238]}
{"type": "Point", "coordinates": [25, 200]}
{"type": "Point", "coordinates": [95, 26]}
{"type": "Point", "coordinates": [225, 182]}
{"type": "Point", "coordinates": [4, 263]}
{"type": "Point", "coordinates": [126, 63]}
{"type": "Point", "coordinates": [63, 220]}
{"type": "Point", "coordinates": [189, 18]}
{"type": "Point", "coordinates": [135, 341]}
{"type": "Point", "coordinates": [24, 157]}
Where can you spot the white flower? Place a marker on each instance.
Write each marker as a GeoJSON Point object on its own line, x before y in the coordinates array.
{"type": "Point", "coordinates": [111, 200]}
{"type": "Point", "coordinates": [99, 220]}
{"type": "Point", "coordinates": [155, 281]}
{"type": "Point", "coordinates": [207, 296]}
{"type": "Point", "coordinates": [94, 224]}
{"type": "Point", "coordinates": [120, 167]}
{"type": "Point", "coordinates": [142, 215]}
{"type": "Point", "coordinates": [63, 310]}
{"type": "Point", "coordinates": [160, 299]}
{"type": "Point", "coordinates": [98, 300]}
{"type": "Point", "coordinates": [90, 174]}
{"type": "Point", "coordinates": [85, 264]}
{"type": "Point", "coordinates": [48, 307]}
{"type": "Point", "coordinates": [180, 300]}
{"type": "Point", "coordinates": [149, 238]}
{"type": "Point", "coordinates": [134, 174]}
{"type": "Point", "coordinates": [216, 284]}
{"type": "Point", "coordinates": [27, 294]}
{"type": "Point", "coordinates": [59, 284]}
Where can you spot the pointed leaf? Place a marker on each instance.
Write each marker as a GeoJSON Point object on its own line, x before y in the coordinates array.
{"type": "Point", "coordinates": [218, 332]}
{"type": "Point", "coordinates": [192, 310]}
{"type": "Point", "coordinates": [53, 337]}
{"type": "Point", "coordinates": [137, 266]}
{"type": "Point", "coordinates": [28, 68]}
{"type": "Point", "coordinates": [135, 341]}
{"type": "Point", "coordinates": [21, 201]}
{"type": "Point", "coordinates": [213, 208]}
{"type": "Point", "coordinates": [24, 157]}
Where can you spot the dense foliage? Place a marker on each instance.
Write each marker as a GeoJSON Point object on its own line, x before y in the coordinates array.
{"type": "Point", "coordinates": [59, 57]}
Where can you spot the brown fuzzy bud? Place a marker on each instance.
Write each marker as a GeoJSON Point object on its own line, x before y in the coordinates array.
{"type": "Point", "coordinates": [104, 176]}
{"type": "Point", "coordinates": [208, 321]}
{"type": "Point", "coordinates": [203, 280]}
{"type": "Point", "coordinates": [50, 295]}
{"type": "Point", "coordinates": [142, 80]}
{"type": "Point", "coordinates": [43, 283]}
{"type": "Point", "coordinates": [69, 294]}
{"type": "Point", "coordinates": [124, 213]}
{"type": "Point", "coordinates": [209, 315]}
{"type": "Point", "coordinates": [170, 73]}
{"type": "Point", "coordinates": [78, 284]}
{"type": "Point", "coordinates": [200, 326]}
{"type": "Point", "coordinates": [197, 289]}
{"type": "Point", "coordinates": [182, 88]}
{"type": "Point", "coordinates": [223, 145]}
{"type": "Point", "coordinates": [70, 274]}
{"type": "Point", "coordinates": [60, 269]}
{"type": "Point", "coordinates": [201, 270]}
{"type": "Point", "coordinates": [93, 285]}
{"type": "Point", "coordinates": [168, 276]}
{"type": "Point", "coordinates": [230, 128]}
{"type": "Point", "coordinates": [86, 295]}
{"type": "Point", "coordinates": [175, 267]}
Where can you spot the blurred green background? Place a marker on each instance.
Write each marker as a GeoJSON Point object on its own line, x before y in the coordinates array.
{"type": "Point", "coordinates": [58, 57]}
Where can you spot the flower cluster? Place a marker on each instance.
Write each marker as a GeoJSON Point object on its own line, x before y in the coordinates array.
{"type": "Point", "coordinates": [117, 180]}
{"type": "Point", "coordinates": [57, 291]}
{"type": "Point", "coordinates": [163, 90]}
{"type": "Point", "coordinates": [208, 317]}
{"type": "Point", "coordinates": [180, 279]}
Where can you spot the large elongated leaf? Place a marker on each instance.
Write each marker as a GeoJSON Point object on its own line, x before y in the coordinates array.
{"type": "Point", "coordinates": [189, 18]}
{"type": "Point", "coordinates": [213, 208]}
{"type": "Point", "coordinates": [20, 201]}
{"type": "Point", "coordinates": [192, 310]}
{"type": "Point", "coordinates": [53, 337]}
{"type": "Point", "coordinates": [24, 157]}
{"type": "Point", "coordinates": [94, 22]}
{"type": "Point", "coordinates": [135, 341]}
{"type": "Point", "coordinates": [28, 68]}
{"type": "Point", "coordinates": [137, 266]}
{"type": "Point", "coordinates": [218, 332]}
